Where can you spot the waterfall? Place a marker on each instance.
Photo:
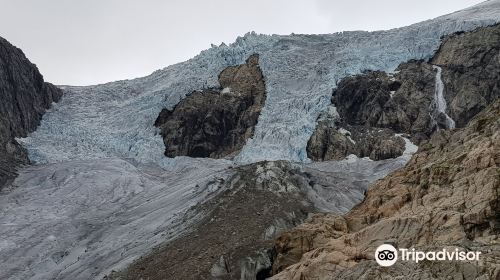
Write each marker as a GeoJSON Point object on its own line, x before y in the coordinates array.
{"type": "Point", "coordinates": [439, 101]}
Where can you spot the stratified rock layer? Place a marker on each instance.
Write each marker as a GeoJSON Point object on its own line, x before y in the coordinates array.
{"type": "Point", "coordinates": [24, 98]}
{"type": "Point", "coordinates": [446, 197]}
{"type": "Point", "coordinates": [216, 122]}
{"type": "Point", "coordinates": [404, 102]}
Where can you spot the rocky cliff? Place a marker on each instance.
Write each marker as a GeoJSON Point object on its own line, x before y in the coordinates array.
{"type": "Point", "coordinates": [216, 122]}
{"type": "Point", "coordinates": [24, 99]}
{"type": "Point", "coordinates": [447, 196]}
{"type": "Point", "coordinates": [465, 70]}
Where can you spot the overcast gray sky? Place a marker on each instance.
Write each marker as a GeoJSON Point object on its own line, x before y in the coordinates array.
{"type": "Point", "coordinates": [82, 42]}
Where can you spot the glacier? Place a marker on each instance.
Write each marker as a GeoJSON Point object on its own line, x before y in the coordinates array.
{"type": "Point", "coordinates": [115, 119]}
{"type": "Point", "coordinates": [101, 192]}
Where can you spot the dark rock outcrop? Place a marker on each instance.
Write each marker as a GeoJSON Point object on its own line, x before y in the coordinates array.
{"type": "Point", "coordinates": [330, 143]}
{"type": "Point", "coordinates": [216, 122]}
{"type": "Point", "coordinates": [24, 98]}
{"type": "Point", "coordinates": [404, 102]}
{"type": "Point", "coordinates": [447, 196]}
{"type": "Point", "coordinates": [373, 107]}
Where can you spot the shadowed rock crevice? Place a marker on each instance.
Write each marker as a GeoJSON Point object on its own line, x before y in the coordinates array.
{"type": "Point", "coordinates": [216, 122]}
{"type": "Point", "coordinates": [404, 101]}
{"type": "Point", "coordinates": [24, 99]}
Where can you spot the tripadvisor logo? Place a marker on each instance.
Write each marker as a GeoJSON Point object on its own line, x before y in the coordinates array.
{"type": "Point", "coordinates": [387, 255]}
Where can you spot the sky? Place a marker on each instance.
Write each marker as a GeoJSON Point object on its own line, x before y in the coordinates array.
{"type": "Point", "coordinates": [75, 42]}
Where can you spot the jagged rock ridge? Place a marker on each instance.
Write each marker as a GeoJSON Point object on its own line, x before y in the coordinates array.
{"type": "Point", "coordinates": [24, 99]}
{"type": "Point", "coordinates": [216, 122]}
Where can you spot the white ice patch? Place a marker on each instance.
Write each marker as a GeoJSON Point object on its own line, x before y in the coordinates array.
{"type": "Point", "coordinates": [410, 148]}
{"type": "Point", "coordinates": [346, 133]}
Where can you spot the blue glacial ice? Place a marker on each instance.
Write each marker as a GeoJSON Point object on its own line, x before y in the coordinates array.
{"type": "Point", "coordinates": [116, 119]}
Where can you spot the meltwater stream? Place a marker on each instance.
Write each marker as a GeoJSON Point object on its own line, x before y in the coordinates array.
{"type": "Point", "coordinates": [439, 101]}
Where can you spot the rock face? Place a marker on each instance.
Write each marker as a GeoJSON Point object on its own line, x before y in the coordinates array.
{"type": "Point", "coordinates": [446, 197]}
{"type": "Point", "coordinates": [216, 122]}
{"type": "Point", "coordinates": [471, 71]}
{"type": "Point", "coordinates": [373, 107]}
{"type": "Point", "coordinates": [24, 99]}
{"type": "Point", "coordinates": [404, 102]}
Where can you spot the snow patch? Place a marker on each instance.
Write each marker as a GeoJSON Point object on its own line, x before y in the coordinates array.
{"type": "Point", "coordinates": [346, 133]}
